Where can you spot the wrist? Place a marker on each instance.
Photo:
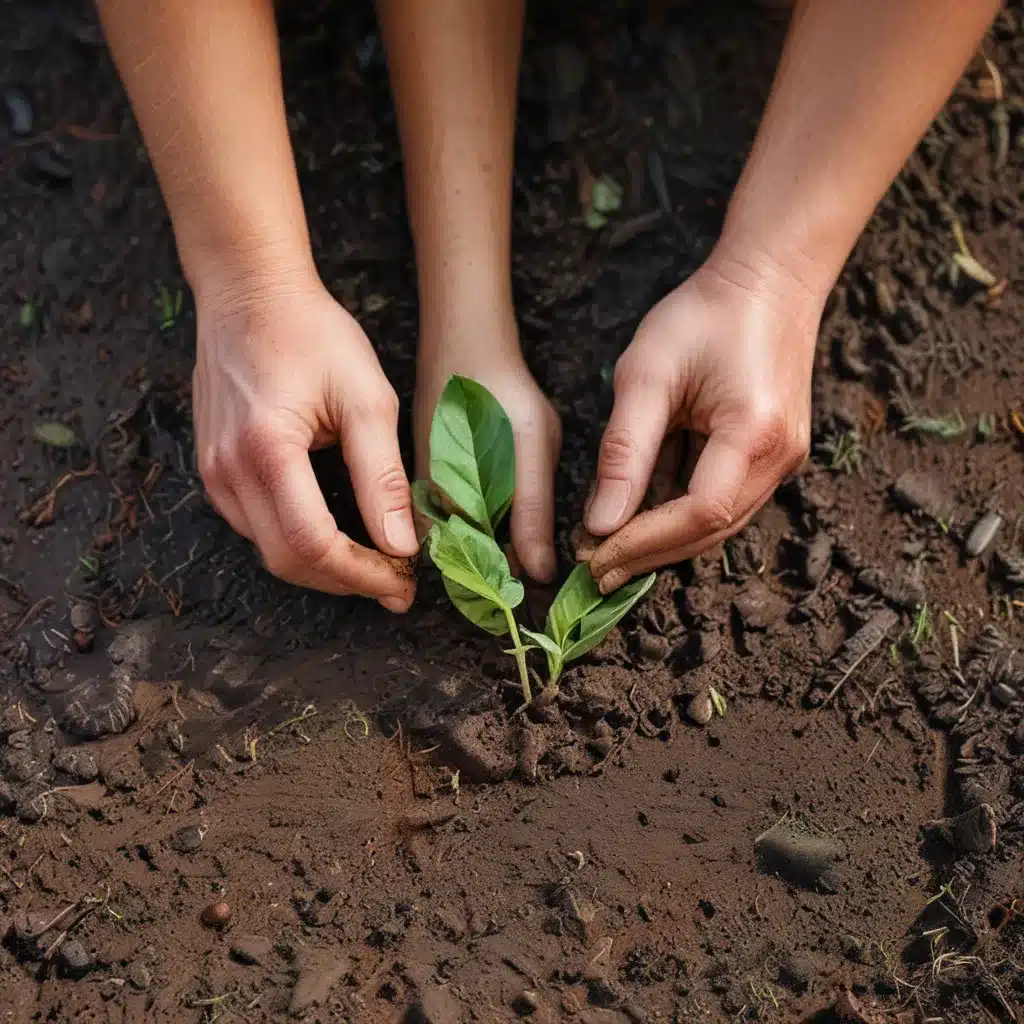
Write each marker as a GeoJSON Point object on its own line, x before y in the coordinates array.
{"type": "Point", "coordinates": [242, 275]}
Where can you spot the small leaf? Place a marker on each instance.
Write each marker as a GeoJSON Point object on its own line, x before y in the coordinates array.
{"type": "Point", "coordinates": [579, 596]}
{"type": "Point", "coordinates": [597, 624]}
{"type": "Point", "coordinates": [606, 196]}
{"type": "Point", "coordinates": [594, 221]}
{"type": "Point", "coordinates": [552, 649]}
{"type": "Point", "coordinates": [27, 316]}
{"type": "Point", "coordinates": [475, 564]}
{"type": "Point", "coordinates": [472, 453]}
{"type": "Point", "coordinates": [56, 435]}
{"type": "Point", "coordinates": [426, 502]}
{"type": "Point", "coordinates": [718, 701]}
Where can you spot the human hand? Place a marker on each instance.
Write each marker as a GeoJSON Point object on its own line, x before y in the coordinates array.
{"type": "Point", "coordinates": [282, 369]}
{"type": "Point", "coordinates": [535, 428]}
{"type": "Point", "coordinates": [727, 355]}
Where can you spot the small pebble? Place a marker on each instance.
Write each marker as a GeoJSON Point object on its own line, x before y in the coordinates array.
{"type": "Point", "coordinates": [700, 709]}
{"type": "Point", "coordinates": [983, 533]}
{"type": "Point", "coordinates": [188, 840]}
{"type": "Point", "coordinates": [19, 111]}
{"type": "Point", "coordinates": [1004, 695]}
{"type": "Point", "coordinates": [526, 1002]}
{"type": "Point", "coordinates": [83, 616]}
{"type": "Point", "coordinates": [74, 957]}
{"type": "Point", "coordinates": [53, 165]}
{"type": "Point", "coordinates": [216, 915]}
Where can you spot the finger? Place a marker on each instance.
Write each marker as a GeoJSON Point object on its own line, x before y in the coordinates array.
{"type": "Point", "coordinates": [369, 445]}
{"type": "Point", "coordinates": [629, 451]}
{"type": "Point", "coordinates": [300, 541]}
{"type": "Point", "coordinates": [229, 509]}
{"type": "Point", "coordinates": [707, 508]}
{"type": "Point", "coordinates": [533, 508]}
{"type": "Point", "coordinates": [621, 575]}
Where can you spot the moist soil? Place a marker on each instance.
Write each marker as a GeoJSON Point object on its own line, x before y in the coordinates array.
{"type": "Point", "coordinates": [226, 799]}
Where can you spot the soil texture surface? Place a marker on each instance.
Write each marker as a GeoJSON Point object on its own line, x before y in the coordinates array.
{"type": "Point", "coordinates": [790, 785]}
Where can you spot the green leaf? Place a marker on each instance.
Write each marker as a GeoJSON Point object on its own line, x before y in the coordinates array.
{"type": "Point", "coordinates": [472, 453]}
{"type": "Point", "coordinates": [718, 701]}
{"type": "Point", "coordinates": [27, 316]}
{"type": "Point", "coordinates": [579, 596]}
{"type": "Point", "coordinates": [475, 564]}
{"type": "Point", "coordinates": [597, 624]}
{"type": "Point", "coordinates": [551, 648]}
{"type": "Point", "coordinates": [426, 502]}
{"type": "Point", "coordinates": [56, 435]}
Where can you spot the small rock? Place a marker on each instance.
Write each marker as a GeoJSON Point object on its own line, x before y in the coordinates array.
{"type": "Point", "coordinates": [139, 975]}
{"type": "Point", "coordinates": [974, 831]}
{"type": "Point", "coordinates": [526, 1002]}
{"type": "Point", "coordinates": [74, 957]}
{"type": "Point", "coordinates": [817, 558]}
{"type": "Point", "coordinates": [758, 607]}
{"type": "Point", "coordinates": [1004, 695]}
{"type": "Point", "coordinates": [795, 972]}
{"type": "Point", "coordinates": [19, 111]}
{"type": "Point", "coordinates": [51, 163]}
{"type": "Point", "coordinates": [187, 839]}
{"type": "Point", "coordinates": [76, 763]}
{"type": "Point", "coordinates": [251, 949]}
{"type": "Point", "coordinates": [29, 811]}
{"type": "Point", "coordinates": [654, 647]}
{"type": "Point", "coordinates": [700, 709]}
{"type": "Point", "coordinates": [798, 855]}
{"type": "Point", "coordinates": [216, 915]}
{"type": "Point", "coordinates": [983, 533]}
{"type": "Point", "coordinates": [919, 492]}
{"type": "Point", "coordinates": [84, 616]}
{"type": "Point", "coordinates": [853, 948]}
{"type": "Point", "coordinates": [319, 972]}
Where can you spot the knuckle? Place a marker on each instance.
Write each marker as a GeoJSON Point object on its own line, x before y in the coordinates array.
{"type": "Point", "coordinates": [380, 404]}
{"type": "Point", "coordinates": [390, 480]}
{"type": "Point", "coordinates": [770, 434]}
{"type": "Point", "coordinates": [617, 448]}
{"type": "Point", "coordinates": [307, 544]}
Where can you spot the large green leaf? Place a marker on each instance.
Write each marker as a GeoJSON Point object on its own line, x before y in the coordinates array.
{"type": "Point", "coordinates": [579, 596]}
{"type": "Point", "coordinates": [599, 622]}
{"type": "Point", "coordinates": [474, 563]}
{"type": "Point", "coordinates": [472, 452]}
{"type": "Point", "coordinates": [426, 502]}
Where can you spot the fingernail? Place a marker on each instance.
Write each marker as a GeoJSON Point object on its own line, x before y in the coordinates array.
{"type": "Point", "coordinates": [612, 580]}
{"type": "Point", "coordinates": [393, 604]}
{"type": "Point", "coordinates": [608, 505]}
{"type": "Point", "coordinates": [400, 533]}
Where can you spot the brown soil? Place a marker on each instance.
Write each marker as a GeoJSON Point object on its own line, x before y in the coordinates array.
{"type": "Point", "coordinates": [391, 844]}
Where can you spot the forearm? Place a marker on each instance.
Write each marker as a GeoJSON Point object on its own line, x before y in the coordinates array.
{"type": "Point", "coordinates": [453, 66]}
{"type": "Point", "coordinates": [205, 84]}
{"type": "Point", "coordinates": [858, 83]}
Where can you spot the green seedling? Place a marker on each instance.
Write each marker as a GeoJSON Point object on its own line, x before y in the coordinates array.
{"type": "Point", "coordinates": [472, 479]}
{"type": "Point", "coordinates": [844, 451]}
{"type": "Point", "coordinates": [27, 315]}
{"type": "Point", "coordinates": [170, 305]}
{"type": "Point", "coordinates": [986, 425]}
{"type": "Point", "coordinates": [946, 427]}
{"type": "Point", "coordinates": [922, 628]}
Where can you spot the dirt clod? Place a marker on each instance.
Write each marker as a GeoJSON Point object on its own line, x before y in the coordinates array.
{"type": "Point", "coordinates": [187, 839]}
{"type": "Point", "coordinates": [74, 957]}
{"type": "Point", "coordinates": [799, 855]}
{"type": "Point", "coordinates": [974, 831]}
{"type": "Point", "coordinates": [319, 971]}
{"type": "Point", "coordinates": [251, 949]}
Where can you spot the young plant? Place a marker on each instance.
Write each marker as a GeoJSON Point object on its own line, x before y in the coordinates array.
{"type": "Point", "coordinates": [472, 478]}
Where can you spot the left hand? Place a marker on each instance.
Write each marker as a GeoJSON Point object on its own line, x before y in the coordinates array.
{"type": "Point", "coordinates": [727, 355]}
{"type": "Point", "coordinates": [536, 431]}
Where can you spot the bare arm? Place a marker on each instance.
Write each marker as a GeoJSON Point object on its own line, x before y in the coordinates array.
{"type": "Point", "coordinates": [858, 84]}
{"type": "Point", "coordinates": [280, 367]}
{"type": "Point", "coordinates": [205, 83]}
{"type": "Point", "coordinates": [729, 353]}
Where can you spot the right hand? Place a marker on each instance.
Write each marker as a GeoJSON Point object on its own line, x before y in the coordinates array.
{"type": "Point", "coordinates": [281, 370]}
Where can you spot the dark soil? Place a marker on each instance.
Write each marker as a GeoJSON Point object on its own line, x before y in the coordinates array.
{"type": "Point", "coordinates": [178, 730]}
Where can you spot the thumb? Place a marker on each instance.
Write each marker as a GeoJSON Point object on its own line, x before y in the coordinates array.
{"type": "Point", "coordinates": [533, 508]}
{"type": "Point", "coordinates": [629, 451]}
{"type": "Point", "coordinates": [369, 446]}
